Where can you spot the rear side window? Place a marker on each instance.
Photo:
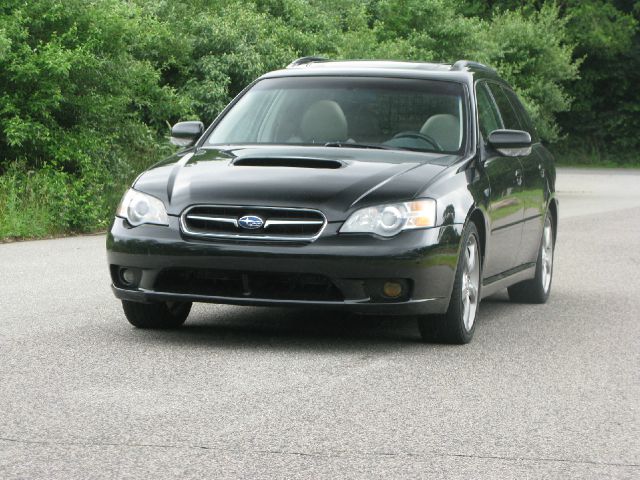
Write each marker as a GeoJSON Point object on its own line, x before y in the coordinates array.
{"type": "Point", "coordinates": [488, 115]}
{"type": "Point", "coordinates": [508, 113]}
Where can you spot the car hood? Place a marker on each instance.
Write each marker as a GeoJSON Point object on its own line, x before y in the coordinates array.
{"type": "Point", "coordinates": [333, 180]}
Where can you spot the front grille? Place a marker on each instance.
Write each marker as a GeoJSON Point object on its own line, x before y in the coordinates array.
{"type": "Point", "coordinates": [224, 221]}
{"type": "Point", "coordinates": [265, 285]}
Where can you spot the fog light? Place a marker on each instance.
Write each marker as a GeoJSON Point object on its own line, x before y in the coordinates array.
{"type": "Point", "coordinates": [392, 289]}
{"type": "Point", "coordinates": [128, 276]}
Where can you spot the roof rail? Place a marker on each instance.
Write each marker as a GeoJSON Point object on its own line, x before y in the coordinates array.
{"type": "Point", "coordinates": [305, 60]}
{"type": "Point", "coordinates": [468, 64]}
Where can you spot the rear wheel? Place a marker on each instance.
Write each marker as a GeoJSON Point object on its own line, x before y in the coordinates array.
{"type": "Point", "coordinates": [458, 324]}
{"type": "Point", "coordinates": [162, 315]}
{"type": "Point", "coordinates": [537, 289]}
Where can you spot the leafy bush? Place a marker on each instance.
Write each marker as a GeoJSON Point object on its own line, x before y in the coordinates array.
{"type": "Point", "coordinates": [531, 53]}
{"type": "Point", "coordinates": [78, 111]}
{"type": "Point", "coordinates": [600, 126]}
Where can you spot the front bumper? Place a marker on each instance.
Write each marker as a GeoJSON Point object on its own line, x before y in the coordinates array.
{"type": "Point", "coordinates": [424, 260]}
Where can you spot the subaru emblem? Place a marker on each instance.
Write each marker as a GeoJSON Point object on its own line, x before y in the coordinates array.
{"type": "Point", "coordinates": [251, 222]}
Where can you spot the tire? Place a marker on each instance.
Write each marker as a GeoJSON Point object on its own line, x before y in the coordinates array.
{"type": "Point", "coordinates": [163, 315]}
{"type": "Point", "coordinates": [457, 325]}
{"type": "Point", "coordinates": [537, 289]}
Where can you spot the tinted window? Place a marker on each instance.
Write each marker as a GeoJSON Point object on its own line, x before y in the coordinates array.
{"type": "Point", "coordinates": [525, 119]}
{"type": "Point", "coordinates": [509, 116]}
{"type": "Point", "coordinates": [488, 115]}
{"type": "Point", "coordinates": [428, 114]}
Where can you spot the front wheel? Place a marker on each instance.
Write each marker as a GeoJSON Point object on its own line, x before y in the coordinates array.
{"type": "Point", "coordinates": [161, 315]}
{"type": "Point", "coordinates": [458, 324]}
{"type": "Point", "coordinates": [537, 289]}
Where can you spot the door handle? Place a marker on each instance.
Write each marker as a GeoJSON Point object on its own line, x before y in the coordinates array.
{"type": "Point", "coordinates": [519, 177]}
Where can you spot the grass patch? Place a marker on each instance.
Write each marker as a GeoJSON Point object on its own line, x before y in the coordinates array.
{"type": "Point", "coordinates": [24, 208]}
{"type": "Point", "coordinates": [44, 203]}
{"type": "Point", "coordinates": [575, 154]}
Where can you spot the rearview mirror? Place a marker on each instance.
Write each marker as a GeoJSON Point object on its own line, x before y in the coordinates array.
{"type": "Point", "coordinates": [510, 143]}
{"type": "Point", "coordinates": [185, 134]}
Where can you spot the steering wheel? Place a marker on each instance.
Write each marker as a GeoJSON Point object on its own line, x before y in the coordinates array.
{"type": "Point", "coordinates": [420, 136]}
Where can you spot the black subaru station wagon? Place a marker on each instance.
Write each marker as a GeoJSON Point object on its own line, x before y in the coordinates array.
{"type": "Point", "coordinates": [376, 187]}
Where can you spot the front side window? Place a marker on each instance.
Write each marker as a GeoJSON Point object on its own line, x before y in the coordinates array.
{"type": "Point", "coordinates": [525, 119]}
{"type": "Point", "coordinates": [488, 115]}
{"type": "Point", "coordinates": [507, 111]}
{"type": "Point", "coordinates": [414, 114]}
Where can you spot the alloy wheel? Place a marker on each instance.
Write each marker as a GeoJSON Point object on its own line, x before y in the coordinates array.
{"type": "Point", "coordinates": [547, 254]}
{"type": "Point", "coordinates": [470, 282]}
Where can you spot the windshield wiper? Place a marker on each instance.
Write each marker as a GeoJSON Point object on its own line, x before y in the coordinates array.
{"type": "Point", "coordinates": [361, 145]}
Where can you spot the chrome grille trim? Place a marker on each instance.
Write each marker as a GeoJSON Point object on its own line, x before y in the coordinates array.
{"type": "Point", "coordinates": [208, 218]}
{"type": "Point", "coordinates": [269, 222]}
{"type": "Point", "coordinates": [292, 222]}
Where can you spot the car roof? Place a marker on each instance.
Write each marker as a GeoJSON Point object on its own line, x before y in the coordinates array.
{"type": "Point", "coordinates": [463, 71]}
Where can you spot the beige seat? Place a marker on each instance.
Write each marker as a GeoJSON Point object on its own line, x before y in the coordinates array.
{"type": "Point", "coordinates": [324, 121]}
{"type": "Point", "coordinates": [445, 129]}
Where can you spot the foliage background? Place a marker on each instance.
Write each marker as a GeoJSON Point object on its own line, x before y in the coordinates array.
{"type": "Point", "coordinates": [88, 88]}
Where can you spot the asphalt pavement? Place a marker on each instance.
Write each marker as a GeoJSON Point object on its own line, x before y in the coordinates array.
{"type": "Point", "coordinates": [543, 391]}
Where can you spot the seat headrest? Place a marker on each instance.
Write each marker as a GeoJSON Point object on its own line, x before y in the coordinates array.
{"type": "Point", "coordinates": [445, 129]}
{"type": "Point", "coordinates": [324, 121]}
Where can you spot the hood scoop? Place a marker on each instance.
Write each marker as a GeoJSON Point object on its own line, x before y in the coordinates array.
{"type": "Point", "coordinates": [287, 162]}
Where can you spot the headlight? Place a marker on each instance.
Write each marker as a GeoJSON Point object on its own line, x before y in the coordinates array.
{"type": "Point", "coordinates": [389, 220]}
{"type": "Point", "coordinates": [139, 208]}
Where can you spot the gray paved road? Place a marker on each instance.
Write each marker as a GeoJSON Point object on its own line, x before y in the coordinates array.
{"type": "Point", "coordinates": [547, 391]}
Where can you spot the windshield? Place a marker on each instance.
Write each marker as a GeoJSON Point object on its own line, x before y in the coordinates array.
{"type": "Point", "coordinates": [359, 112]}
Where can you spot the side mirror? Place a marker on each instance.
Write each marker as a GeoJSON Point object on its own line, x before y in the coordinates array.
{"type": "Point", "coordinates": [185, 134]}
{"type": "Point", "coordinates": [510, 143]}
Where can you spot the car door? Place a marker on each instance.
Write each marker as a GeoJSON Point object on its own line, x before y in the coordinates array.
{"type": "Point", "coordinates": [533, 172]}
{"type": "Point", "coordinates": [506, 208]}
